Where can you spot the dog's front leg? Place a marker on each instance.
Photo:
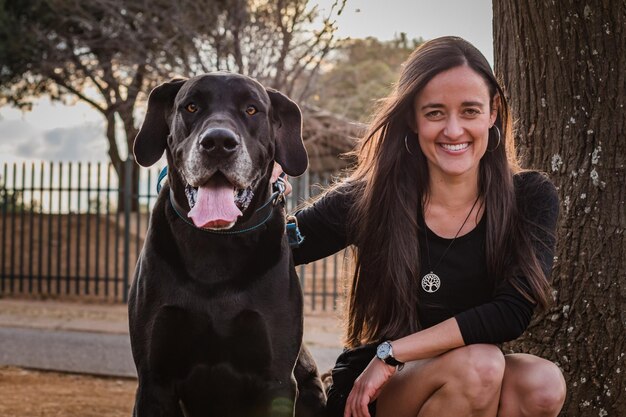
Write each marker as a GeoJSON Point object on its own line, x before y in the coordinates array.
{"type": "Point", "coordinates": [154, 400]}
{"type": "Point", "coordinates": [283, 399]}
{"type": "Point", "coordinates": [311, 400]}
{"type": "Point", "coordinates": [256, 351]}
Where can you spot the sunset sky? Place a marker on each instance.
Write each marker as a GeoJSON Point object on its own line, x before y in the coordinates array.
{"type": "Point", "coordinates": [54, 132]}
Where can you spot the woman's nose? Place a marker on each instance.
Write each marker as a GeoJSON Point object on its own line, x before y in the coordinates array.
{"type": "Point", "coordinates": [453, 128]}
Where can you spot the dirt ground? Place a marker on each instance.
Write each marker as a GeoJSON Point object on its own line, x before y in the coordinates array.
{"type": "Point", "coordinates": [27, 393]}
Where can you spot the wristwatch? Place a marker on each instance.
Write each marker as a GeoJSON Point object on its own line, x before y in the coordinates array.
{"type": "Point", "coordinates": [384, 352]}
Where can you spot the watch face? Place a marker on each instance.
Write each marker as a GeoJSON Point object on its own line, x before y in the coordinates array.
{"type": "Point", "coordinates": [383, 350]}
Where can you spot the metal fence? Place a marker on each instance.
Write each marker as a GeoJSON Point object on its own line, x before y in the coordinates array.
{"type": "Point", "coordinates": [66, 233]}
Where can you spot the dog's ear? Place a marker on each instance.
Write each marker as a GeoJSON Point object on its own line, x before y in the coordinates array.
{"type": "Point", "coordinates": [151, 140]}
{"type": "Point", "coordinates": [290, 152]}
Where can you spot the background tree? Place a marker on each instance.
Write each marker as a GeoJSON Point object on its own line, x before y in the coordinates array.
{"type": "Point", "coordinates": [565, 68]}
{"type": "Point", "coordinates": [342, 95]}
{"type": "Point", "coordinates": [103, 53]}
{"type": "Point", "coordinates": [360, 72]}
{"type": "Point", "coordinates": [111, 53]}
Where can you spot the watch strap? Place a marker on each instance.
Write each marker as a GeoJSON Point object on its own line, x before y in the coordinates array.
{"type": "Point", "coordinates": [390, 360]}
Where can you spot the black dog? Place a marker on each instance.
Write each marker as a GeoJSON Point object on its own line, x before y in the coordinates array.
{"type": "Point", "coordinates": [215, 308]}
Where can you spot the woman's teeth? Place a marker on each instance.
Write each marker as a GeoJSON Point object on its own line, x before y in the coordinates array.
{"type": "Point", "coordinates": [458, 147]}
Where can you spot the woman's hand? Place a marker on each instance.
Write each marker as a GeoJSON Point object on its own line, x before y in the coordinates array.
{"type": "Point", "coordinates": [367, 387]}
{"type": "Point", "coordinates": [276, 171]}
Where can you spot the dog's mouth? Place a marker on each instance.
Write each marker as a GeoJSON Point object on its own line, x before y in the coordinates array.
{"type": "Point", "coordinates": [217, 204]}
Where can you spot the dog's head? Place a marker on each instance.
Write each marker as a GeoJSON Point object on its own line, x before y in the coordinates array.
{"type": "Point", "coordinates": [222, 133]}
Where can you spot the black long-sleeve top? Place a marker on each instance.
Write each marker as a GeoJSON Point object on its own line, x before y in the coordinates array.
{"type": "Point", "coordinates": [485, 312]}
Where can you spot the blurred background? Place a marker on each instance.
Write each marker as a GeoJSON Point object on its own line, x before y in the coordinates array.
{"type": "Point", "coordinates": [74, 84]}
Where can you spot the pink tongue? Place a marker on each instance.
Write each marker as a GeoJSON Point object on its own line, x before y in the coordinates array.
{"type": "Point", "coordinates": [215, 204]}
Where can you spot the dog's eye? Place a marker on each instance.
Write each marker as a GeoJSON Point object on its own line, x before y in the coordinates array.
{"type": "Point", "coordinates": [251, 110]}
{"type": "Point", "coordinates": [191, 108]}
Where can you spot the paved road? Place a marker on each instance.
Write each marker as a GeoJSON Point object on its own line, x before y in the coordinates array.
{"type": "Point", "coordinates": [93, 338]}
{"type": "Point", "coordinates": [89, 352]}
{"type": "Point", "coordinates": [82, 352]}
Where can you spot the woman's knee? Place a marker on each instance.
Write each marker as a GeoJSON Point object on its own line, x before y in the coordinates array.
{"type": "Point", "coordinates": [480, 365]}
{"type": "Point", "coordinates": [480, 373]}
{"type": "Point", "coordinates": [532, 387]}
{"type": "Point", "coordinates": [545, 390]}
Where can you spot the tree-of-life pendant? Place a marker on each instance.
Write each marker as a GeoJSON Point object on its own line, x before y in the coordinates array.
{"type": "Point", "coordinates": [431, 282]}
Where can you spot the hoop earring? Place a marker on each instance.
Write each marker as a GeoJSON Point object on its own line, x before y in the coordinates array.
{"type": "Point", "coordinates": [406, 144]}
{"type": "Point", "coordinates": [499, 138]}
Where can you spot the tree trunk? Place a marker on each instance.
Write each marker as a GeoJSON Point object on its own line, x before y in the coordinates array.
{"type": "Point", "coordinates": [564, 65]}
{"type": "Point", "coordinates": [123, 184]}
{"type": "Point", "coordinates": [120, 166]}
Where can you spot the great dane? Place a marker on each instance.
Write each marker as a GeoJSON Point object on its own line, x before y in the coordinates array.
{"type": "Point", "coordinates": [215, 307]}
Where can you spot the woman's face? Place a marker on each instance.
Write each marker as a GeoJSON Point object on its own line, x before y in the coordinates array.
{"type": "Point", "coordinates": [452, 119]}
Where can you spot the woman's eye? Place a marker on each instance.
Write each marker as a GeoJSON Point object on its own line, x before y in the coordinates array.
{"type": "Point", "coordinates": [251, 110]}
{"type": "Point", "coordinates": [472, 112]}
{"type": "Point", "coordinates": [191, 108]}
{"type": "Point", "coordinates": [434, 114]}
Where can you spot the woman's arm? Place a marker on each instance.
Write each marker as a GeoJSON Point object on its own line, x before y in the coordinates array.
{"type": "Point", "coordinates": [424, 344]}
{"type": "Point", "coordinates": [508, 314]}
{"type": "Point", "coordinates": [324, 225]}
{"type": "Point", "coordinates": [429, 342]}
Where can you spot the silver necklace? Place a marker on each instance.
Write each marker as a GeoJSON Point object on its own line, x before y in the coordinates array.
{"type": "Point", "coordinates": [431, 281]}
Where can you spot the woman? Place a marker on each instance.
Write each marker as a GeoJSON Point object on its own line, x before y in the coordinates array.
{"type": "Point", "coordinates": [454, 246]}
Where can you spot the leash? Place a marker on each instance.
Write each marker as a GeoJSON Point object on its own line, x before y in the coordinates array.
{"type": "Point", "coordinates": [294, 236]}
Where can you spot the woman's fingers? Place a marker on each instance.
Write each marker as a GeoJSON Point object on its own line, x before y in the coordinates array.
{"type": "Point", "coordinates": [276, 172]}
{"type": "Point", "coordinates": [362, 405]}
{"type": "Point", "coordinates": [367, 387]}
{"type": "Point", "coordinates": [359, 399]}
{"type": "Point", "coordinates": [357, 407]}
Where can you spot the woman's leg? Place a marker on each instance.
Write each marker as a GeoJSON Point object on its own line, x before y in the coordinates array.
{"type": "Point", "coordinates": [462, 382]}
{"type": "Point", "coordinates": [532, 387]}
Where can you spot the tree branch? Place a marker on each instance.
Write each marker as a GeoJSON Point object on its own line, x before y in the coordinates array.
{"type": "Point", "coordinates": [61, 83]}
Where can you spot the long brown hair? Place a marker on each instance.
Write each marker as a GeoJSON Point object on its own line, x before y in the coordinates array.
{"type": "Point", "coordinates": [391, 184]}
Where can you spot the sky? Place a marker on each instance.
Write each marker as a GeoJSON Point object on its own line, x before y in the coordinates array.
{"type": "Point", "coordinates": [57, 132]}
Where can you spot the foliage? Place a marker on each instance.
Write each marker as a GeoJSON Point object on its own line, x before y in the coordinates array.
{"type": "Point", "coordinates": [12, 201]}
{"type": "Point", "coordinates": [361, 72]}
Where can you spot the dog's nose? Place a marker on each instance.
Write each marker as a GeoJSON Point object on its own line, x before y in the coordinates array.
{"type": "Point", "coordinates": [219, 141]}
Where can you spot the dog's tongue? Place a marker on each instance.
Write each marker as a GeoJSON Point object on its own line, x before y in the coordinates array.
{"type": "Point", "coordinates": [215, 204]}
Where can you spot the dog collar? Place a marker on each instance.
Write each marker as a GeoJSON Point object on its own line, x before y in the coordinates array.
{"type": "Point", "coordinates": [263, 213]}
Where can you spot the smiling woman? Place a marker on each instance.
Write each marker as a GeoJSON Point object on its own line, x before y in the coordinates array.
{"type": "Point", "coordinates": [454, 246]}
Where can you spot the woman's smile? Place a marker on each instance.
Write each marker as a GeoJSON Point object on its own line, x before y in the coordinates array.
{"type": "Point", "coordinates": [455, 148]}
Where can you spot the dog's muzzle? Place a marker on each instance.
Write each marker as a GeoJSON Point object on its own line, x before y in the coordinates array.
{"type": "Point", "coordinates": [218, 203]}
{"type": "Point", "coordinates": [243, 197]}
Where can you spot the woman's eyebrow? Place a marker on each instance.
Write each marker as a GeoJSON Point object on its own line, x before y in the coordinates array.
{"type": "Point", "coordinates": [440, 106]}
{"type": "Point", "coordinates": [432, 106]}
{"type": "Point", "coordinates": [472, 103]}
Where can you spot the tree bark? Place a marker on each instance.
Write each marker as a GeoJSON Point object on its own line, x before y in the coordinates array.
{"type": "Point", "coordinates": [564, 65]}
{"type": "Point", "coordinates": [128, 121]}
{"type": "Point", "coordinates": [134, 187]}
{"type": "Point", "coordinates": [119, 165]}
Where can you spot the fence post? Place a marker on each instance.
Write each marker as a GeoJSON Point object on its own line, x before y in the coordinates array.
{"type": "Point", "coordinates": [128, 179]}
